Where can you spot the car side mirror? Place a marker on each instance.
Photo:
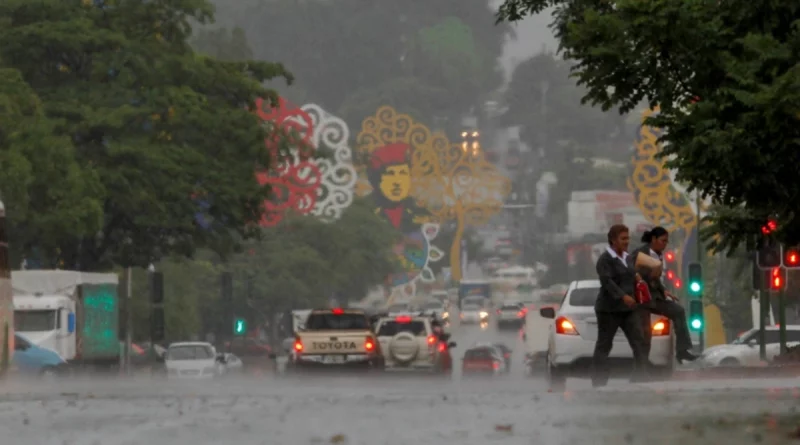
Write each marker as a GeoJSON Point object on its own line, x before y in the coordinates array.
{"type": "Point", "coordinates": [547, 312]}
{"type": "Point", "coordinates": [452, 344]}
{"type": "Point", "coordinates": [221, 358]}
{"type": "Point", "coordinates": [752, 343]}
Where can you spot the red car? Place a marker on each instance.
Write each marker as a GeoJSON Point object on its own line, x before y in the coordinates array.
{"type": "Point", "coordinates": [483, 360]}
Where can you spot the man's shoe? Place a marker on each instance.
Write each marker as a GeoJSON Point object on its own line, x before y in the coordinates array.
{"type": "Point", "coordinates": [686, 356]}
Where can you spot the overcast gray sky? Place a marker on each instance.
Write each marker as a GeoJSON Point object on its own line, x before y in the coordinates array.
{"type": "Point", "coordinates": [532, 34]}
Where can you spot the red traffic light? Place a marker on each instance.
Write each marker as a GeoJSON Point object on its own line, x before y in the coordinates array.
{"type": "Point", "coordinates": [670, 275]}
{"type": "Point", "coordinates": [776, 280]}
{"type": "Point", "coordinates": [669, 256]}
{"type": "Point", "coordinates": [678, 283]}
{"type": "Point", "coordinates": [791, 258]}
{"type": "Point", "coordinates": [769, 227]}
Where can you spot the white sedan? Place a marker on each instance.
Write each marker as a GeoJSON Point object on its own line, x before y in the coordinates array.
{"type": "Point", "coordinates": [193, 360]}
{"type": "Point", "coordinates": [572, 337]}
{"type": "Point", "coordinates": [473, 314]}
{"type": "Point", "coordinates": [745, 351]}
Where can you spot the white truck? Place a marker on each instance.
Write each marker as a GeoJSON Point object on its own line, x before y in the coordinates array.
{"type": "Point", "coordinates": [73, 313]}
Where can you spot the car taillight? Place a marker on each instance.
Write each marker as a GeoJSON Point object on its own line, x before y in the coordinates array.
{"type": "Point", "coordinates": [498, 312]}
{"type": "Point", "coordinates": [369, 345]}
{"type": "Point", "coordinates": [661, 327]}
{"type": "Point", "coordinates": [298, 345]}
{"type": "Point", "coordinates": [495, 365]}
{"type": "Point", "coordinates": [442, 347]}
{"type": "Point", "coordinates": [521, 313]}
{"type": "Point", "coordinates": [565, 327]}
{"type": "Point", "coordinates": [431, 339]}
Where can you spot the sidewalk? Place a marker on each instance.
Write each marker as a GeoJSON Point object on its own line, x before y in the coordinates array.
{"type": "Point", "coordinates": [781, 371]}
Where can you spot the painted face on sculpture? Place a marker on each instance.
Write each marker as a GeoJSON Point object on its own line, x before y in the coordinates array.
{"type": "Point", "coordinates": [396, 182]}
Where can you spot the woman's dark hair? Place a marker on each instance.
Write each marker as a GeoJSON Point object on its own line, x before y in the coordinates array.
{"type": "Point", "coordinates": [655, 232]}
{"type": "Point", "coordinates": [615, 231]}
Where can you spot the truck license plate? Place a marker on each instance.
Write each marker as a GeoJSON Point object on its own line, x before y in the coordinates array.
{"type": "Point", "coordinates": [333, 359]}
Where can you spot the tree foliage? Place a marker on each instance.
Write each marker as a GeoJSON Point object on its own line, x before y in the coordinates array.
{"type": "Point", "coordinates": [546, 103]}
{"type": "Point", "coordinates": [123, 129]}
{"type": "Point", "coordinates": [439, 56]}
{"type": "Point", "coordinates": [298, 264]}
{"type": "Point", "coordinates": [738, 142]}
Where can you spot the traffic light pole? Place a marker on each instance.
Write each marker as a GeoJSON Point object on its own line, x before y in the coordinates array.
{"type": "Point", "coordinates": [762, 313]}
{"type": "Point", "coordinates": [701, 334]}
{"type": "Point", "coordinates": [782, 315]}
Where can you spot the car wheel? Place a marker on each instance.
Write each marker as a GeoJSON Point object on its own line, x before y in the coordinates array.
{"type": "Point", "coordinates": [556, 377]}
{"type": "Point", "coordinates": [729, 362]}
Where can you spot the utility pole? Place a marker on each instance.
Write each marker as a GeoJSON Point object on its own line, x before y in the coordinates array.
{"type": "Point", "coordinates": [129, 320]}
{"type": "Point", "coordinates": [699, 258]}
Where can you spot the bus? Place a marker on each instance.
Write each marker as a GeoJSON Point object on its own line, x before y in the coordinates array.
{"type": "Point", "coordinates": [6, 298]}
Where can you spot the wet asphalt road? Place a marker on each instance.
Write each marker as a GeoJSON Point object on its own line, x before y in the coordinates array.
{"type": "Point", "coordinates": [398, 410]}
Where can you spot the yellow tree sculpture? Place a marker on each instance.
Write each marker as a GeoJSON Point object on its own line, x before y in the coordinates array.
{"type": "Point", "coordinates": [452, 182]}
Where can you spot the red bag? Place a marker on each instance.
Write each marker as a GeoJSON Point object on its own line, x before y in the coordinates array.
{"type": "Point", "coordinates": [642, 292]}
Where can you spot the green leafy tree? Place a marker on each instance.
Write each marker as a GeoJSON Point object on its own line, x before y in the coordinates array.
{"type": "Point", "coordinates": [223, 44]}
{"type": "Point", "coordinates": [546, 103]}
{"type": "Point", "coordinates": [724, 76]}
{"type": "Point", "coordinates": [298, 264]}
{"type": "Point", "coordinates": [137, 128]}
{"type": "Point", "coordinates": [438, 56]}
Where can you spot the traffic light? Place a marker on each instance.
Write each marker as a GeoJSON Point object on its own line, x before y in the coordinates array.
{"type": "Point", "coordinates": [791, 257]}
{"type": "Point", "coordinates": [239, 326]}
{"type": "Point", "coordinates": [678, 283]}
{"type": "Point", "coordinates": [770, 227]}
{"type": "Point", "coordinates": [769, 254]}
{"type": "Point", "coordinates": [157, 287]}
{"type": "Point", "coordinates": [696, 320]}
{"type": "Point", "coordinates": [669, 256]}
{"type": "Point", "coordinates": [157, 329]}
{"type": "Point", "coordinates": [777, 278]}
{"type": "Point", "coordinates": [695, 279]}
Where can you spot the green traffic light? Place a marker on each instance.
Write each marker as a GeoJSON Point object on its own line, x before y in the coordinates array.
{"type": "Point", "coordinates": [695, 287]}
{"type": "Point", "coordinates": [240, 326]}
{"type": "Point", "coordinates": [697, 324]}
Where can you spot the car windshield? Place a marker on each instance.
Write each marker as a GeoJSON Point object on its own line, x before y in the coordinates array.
{"type": "Point", "coordinates": [514, 306]}
{"type": "Point", "coordinates": [585, 296]}
{"type": "Point", "coordinates": [398, 308]}
{"type": "Point", "coordinates": [432, 305]}
{"type": "Point", "coordinates": [392, 328]}
{"type": "Point", "coordinates": [337, 322]}
{"type": "Point", "coordinates": [479, 354]}
{"type": "Point", "coordinates": [471, 307]}
{"type": "Point", "coordinates": [35, 321]}
{"type": "Point", "coordinates": [190, 352]}
{"type": "Point", "coordinates": [502, 347]}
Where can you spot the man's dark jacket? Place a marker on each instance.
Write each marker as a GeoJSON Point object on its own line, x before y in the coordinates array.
{"type": "Point", "coordinates": [616, 280]}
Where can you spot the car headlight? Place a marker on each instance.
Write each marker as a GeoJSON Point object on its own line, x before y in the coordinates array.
{"type": "Point", "coordinates": [484, 314]}
{"type": "Point", "coordinates": [445, 315]}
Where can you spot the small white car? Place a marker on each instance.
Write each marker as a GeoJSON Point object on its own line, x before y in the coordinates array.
{"type": "Point", "coordinates": [193, 360]}
{"type": "Point", "coordinates": [511, 314]}
{"type": "Point", "coordinates": [434, 308]}
{"type": "Point", "coordinates": [745, 351]}
{"type": "Point", "coordinates": [573, 334]}
{"type": "Point", "coordinates": [473, 314]}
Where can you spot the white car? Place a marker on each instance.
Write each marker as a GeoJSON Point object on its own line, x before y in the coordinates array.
{"type": "Point", "coordinates": [572, 337]}
{"type": "Point", "coordinates": [399, 309]}
{"type": "Point", "coordinates": [473, 314]}
{"type": "Point", "coordinates": [193, 360]}
{"type": "Point", "coordinates": [434, 308]}
{"type": "Point", "coordinates": [414, 343]}
{"type": "Point", "coordinates": [511, 314]}
{"type": "Point", "coordinates": [745, 351]}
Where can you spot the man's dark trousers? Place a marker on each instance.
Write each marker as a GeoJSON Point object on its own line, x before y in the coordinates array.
{"type": "Point", "coordinates": [607, 325]}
